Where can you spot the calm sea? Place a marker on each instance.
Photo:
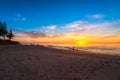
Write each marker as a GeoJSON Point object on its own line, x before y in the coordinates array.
{"type": "Point", "coordinates": [100, 49]}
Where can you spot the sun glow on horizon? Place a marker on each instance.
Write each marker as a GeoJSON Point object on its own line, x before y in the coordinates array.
{"type": "Point", "coordinates": [81, 43]}
{"type": "Point", "coordinates": [74, 39]}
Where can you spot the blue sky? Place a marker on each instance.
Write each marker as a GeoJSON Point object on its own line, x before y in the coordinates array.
{"type": "Point", "coordinates": [40, 15]}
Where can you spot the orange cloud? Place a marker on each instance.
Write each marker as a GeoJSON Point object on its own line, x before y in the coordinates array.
{"type": "Point", "coordinates": [68, 38]}
{"type": "Point", "coordinates": [79, 32]}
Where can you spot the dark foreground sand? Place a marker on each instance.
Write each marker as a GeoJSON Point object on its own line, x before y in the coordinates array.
{"type": "Point", "coordinates": [41, 63]}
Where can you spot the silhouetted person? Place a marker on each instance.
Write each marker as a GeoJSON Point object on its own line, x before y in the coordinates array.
{"type": "Point", "coordinates": [37, 44]}
{"type": "Point", "coordinates": [73, 48]}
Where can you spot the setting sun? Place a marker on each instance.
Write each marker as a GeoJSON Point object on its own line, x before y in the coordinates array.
{"type": "Point", "coordinates": [81, 43]}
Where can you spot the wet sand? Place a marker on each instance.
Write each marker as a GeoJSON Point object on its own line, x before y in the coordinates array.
{"type": "Point", "coordinates": [43, 63]}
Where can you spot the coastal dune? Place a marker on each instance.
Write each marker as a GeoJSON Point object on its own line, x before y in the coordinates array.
{"type": "Point", "coordinates": [44, 63]}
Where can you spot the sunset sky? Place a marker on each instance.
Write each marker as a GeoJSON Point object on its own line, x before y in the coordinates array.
{"type": "Point", "coordinates": [79, 22]}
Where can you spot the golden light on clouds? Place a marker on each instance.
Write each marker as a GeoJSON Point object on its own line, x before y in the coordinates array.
{"type": "Point", "coordinates": [70, 38]}
{"type": "Point", "coordinates": [79, 33]}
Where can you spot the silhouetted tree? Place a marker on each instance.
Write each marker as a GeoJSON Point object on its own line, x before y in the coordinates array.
{"type": "Point", "coordinates": [3, 30]}
{"type": "Point", "coordinates": [4, 33]}
{"type": "Point", "coordinates": [10, 34]}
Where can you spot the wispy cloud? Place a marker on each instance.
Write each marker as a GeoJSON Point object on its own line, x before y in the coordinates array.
{"type": "Point", "coordinates": [47, 29]}
{"type": "Point", "coordinates": [110, 27]}
{"type": "Point", "coordinates": [110, 36]}
{"type": "Point", "coordinates": [80, 26]}
{"type": "Point", "coordinates": [28, 34]}
{"type": "Point", "coordinates": [19, 17]}
{"type": "Point", "coordinates": [96, 16]}
{"type": "Point", "coordinates": [51, 27]}
{"type": "Point", "coordinates": [105, 32]}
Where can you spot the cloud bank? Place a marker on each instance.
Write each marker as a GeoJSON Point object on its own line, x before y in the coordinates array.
{"type": "Point", "coordinates": [105, 32]}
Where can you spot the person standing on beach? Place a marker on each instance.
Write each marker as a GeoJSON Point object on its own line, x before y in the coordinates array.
{"type": "Point", "coordinates": [73, 48]}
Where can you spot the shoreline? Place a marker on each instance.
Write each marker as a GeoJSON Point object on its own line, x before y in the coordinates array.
{"type": "Point", "coordinates": [44, 63]}
{"type": "Point", "coordinates": [76, 49]}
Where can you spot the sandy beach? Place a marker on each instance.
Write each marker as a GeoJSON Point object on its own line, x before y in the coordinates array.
{"type": "Point", "coordinates": [43, 63]}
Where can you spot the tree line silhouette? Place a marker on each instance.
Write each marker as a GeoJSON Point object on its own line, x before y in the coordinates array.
{"type": "Point", "coordinates": [6, 35]}
{"type": "Point", "coordinates": [4, 32]}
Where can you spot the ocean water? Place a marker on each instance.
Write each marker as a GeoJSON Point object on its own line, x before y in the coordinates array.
{"type": "Point", "coordinates": [98, 49]}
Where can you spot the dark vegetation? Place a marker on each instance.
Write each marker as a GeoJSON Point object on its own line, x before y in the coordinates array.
{"type": "Point", "coordinates": [6, 35]}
